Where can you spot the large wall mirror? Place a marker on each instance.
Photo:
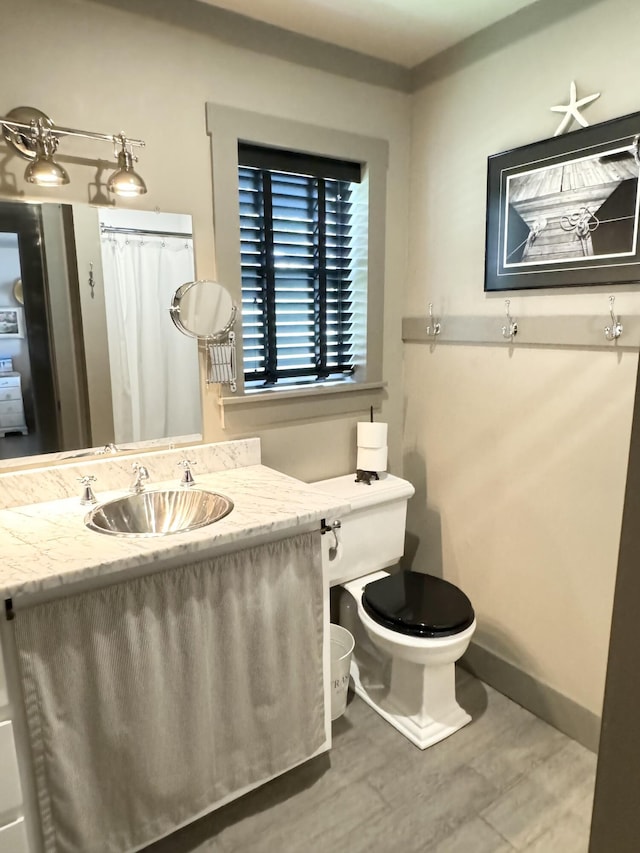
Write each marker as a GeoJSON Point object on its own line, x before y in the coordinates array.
{"type": "Point", "coordinates": [89, 357]}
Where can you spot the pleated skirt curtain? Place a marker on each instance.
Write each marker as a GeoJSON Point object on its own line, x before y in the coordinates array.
{"type": "Point", "coordinates": [150, 701]}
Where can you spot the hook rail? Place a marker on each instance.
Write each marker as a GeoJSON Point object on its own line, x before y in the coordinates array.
{"type": "Point", "coordinates": [582, 331]}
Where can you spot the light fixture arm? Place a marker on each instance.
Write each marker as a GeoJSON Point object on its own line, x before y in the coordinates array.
{"type": "Point", "coordinates": [86, 134]}
{"type": "Point", "coordinates": [13, 124]}
{"type": "Point", "coordinates": [43, 138]}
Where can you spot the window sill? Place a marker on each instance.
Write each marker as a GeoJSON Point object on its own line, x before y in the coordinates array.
{"type": "Point", "coordinates": [278, 406]}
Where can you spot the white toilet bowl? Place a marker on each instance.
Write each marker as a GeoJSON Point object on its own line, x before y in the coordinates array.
{"type": "Point", "coordinates": [414, 686]}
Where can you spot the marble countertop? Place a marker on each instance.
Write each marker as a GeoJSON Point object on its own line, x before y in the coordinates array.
{"type": "Point", "coordinates": [47, 545]}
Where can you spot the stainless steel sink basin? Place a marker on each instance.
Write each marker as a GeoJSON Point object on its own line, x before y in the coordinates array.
{"type": "Point", "coordinates": [159, 512]}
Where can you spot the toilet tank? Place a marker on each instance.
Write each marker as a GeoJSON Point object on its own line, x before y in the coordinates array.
{"type": "Point", "coordinates": [372, 534]}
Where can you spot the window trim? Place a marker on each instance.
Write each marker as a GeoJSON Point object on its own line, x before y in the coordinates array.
{"type": "Point", "coordinates": [227, 126]}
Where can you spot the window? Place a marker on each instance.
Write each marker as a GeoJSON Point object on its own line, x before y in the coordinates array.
{"type": "Point", "coordinates": [297, 258]}
{"type": "Point", "coordinates": [349, 380]}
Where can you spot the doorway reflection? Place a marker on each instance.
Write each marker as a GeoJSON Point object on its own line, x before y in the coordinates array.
{"type": "Point", "coordinates": [15, 366]}
{"type": "Point", "coordinates": [28, 414]}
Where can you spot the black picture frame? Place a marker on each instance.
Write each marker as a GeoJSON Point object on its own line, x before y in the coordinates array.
{"type": "Point", "coordinates": [563, 212]}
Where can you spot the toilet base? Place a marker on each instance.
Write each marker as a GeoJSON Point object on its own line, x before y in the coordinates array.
{"type": "Point", "coordinates": [420, 728]}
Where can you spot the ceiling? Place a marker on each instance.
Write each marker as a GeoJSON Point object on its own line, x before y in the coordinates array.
{"type": "Point", "coordinates": [406, 32]}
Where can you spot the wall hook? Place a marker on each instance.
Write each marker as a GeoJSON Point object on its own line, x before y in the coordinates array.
{"type": "Point", "coordinates": [433, 328]}
{"type": "Point", "coordinates": [510, 330]}
{"type": "Point", "coordinates": [613, 331]}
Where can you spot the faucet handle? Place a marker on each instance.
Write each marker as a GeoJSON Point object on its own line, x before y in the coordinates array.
{"type": "Point", "coordinates": [140, 475]}
{"type": "Point", "coordinates": [187, 477]}
{"type": "Point", "coordinates": [87, 496]}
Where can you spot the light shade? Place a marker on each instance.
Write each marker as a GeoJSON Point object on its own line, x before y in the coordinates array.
{"type": "Point", "coordinates": [45, 172]}
{"type": "Point", "coordinates": [125, 181]}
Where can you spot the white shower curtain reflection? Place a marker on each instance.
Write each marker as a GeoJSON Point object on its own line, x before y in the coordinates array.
{"type": "Point", "coordinates": [154, 369]}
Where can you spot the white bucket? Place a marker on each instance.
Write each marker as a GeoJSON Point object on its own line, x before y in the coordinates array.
{"type": "Point", "coordinates": [342, 644]}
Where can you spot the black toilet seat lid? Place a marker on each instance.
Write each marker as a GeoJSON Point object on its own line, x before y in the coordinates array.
{"type": "Point", "coordinates": [418, 604]}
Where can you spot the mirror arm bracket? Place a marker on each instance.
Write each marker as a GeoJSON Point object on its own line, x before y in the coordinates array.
{"type": "Point", "coordinates": [221, 361]}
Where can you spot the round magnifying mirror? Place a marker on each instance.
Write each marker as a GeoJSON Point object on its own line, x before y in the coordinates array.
{"type": "Point", "coordinates": [203, 309]}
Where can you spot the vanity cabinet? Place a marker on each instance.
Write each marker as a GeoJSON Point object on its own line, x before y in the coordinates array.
{"type": "Point", "coordinates": [13, 836]}
{"type": "Point", "coordinates": [270, 509]}
{"type": "Point", "coordinates": [12, 417]}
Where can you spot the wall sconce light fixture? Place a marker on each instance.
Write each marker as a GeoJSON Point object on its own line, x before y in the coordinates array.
{"type": "Point", "coordinates": [125, 181]}
{"type": "Point", "coordinates": [35, 137]}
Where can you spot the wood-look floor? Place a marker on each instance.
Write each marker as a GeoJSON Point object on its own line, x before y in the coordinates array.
{"type": "Point", "coordinates": [506, 782]}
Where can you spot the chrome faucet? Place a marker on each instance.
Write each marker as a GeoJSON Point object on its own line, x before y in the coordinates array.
{"type": "Point", "coordinates": [87, 496]}
{"type": "Point", "coordinates": [187, 477]}
{"type": "Point", "coordinates": [140, 476]}
{"type": "Point", "coordinates": [109, 448]}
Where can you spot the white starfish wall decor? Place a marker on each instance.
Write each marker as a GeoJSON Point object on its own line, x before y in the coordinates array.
{"type": "Point", "coordinates": [572, 109]}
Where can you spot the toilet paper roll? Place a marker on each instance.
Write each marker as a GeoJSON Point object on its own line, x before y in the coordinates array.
{"type": "Point", "coordinates": [372, 435]}
{"type": "Point", "coordinates": [372, 458]}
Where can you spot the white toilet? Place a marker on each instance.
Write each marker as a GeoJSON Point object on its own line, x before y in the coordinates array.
{"type": "Point", "coordinates": [410, 628]}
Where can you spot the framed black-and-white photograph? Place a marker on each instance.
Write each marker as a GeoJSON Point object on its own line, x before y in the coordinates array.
{"type": "Point", "coordinates": [564, 212]}
{"type": "Point", "coordinates": [11, 323]}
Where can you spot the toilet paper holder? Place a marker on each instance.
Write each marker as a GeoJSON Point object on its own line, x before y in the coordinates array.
{"type": "Point", "coordinates": [331, 528]}
{"type": "Point", "coordinates": [366, 476]}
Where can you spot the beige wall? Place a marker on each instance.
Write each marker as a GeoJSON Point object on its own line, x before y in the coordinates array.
{"type": "Point", "coordinates": [519, 455]}
{"type": "Point", "coordinates": [92, 67]}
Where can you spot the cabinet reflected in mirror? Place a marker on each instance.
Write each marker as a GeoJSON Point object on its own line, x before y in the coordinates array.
{"type": "Point", "coordinates": [90, 356]}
